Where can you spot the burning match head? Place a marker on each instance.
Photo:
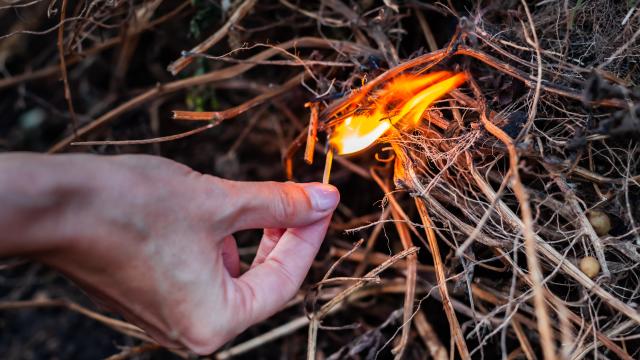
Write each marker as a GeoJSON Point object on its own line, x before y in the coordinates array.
{"type": "Point", "coordinates": [404, 99]}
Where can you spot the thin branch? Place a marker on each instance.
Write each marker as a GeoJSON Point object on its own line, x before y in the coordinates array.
{"type": "Point", "coordinates": [184, 61]}
{"type": "Point", "coordinates": [412, 261]}
{"type": "Point", "coordinates": [208, 78]}
{"type": "Point", "coordinates": [454, 325]}
{"type": "Point", "coordinates": [63, 68]}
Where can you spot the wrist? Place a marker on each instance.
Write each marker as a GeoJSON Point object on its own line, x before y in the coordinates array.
{"type": "Point", "coordinates": [38, 194]}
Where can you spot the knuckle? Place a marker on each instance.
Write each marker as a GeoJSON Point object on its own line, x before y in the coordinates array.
{"type": "Point", "coordinates": [215, 185]}
{"type": "Point", "coordinates": [217, 192]}
{"type": "Point", "coordinates": [290, 282]}
{"type": "Point", "coordinates": [286, 205]}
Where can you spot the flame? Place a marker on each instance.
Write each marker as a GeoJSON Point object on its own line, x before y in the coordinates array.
{"type": "Point", "coordinates": [358, 132]}
{"type": "Point", "coordinates": [404, 99]}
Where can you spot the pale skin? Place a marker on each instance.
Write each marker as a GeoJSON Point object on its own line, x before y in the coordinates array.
{"type": "Point", "coordinates": [152, 239]}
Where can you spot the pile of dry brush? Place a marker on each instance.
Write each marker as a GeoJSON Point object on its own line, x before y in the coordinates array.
{"type": "Point", "coordinates": [507, 224]}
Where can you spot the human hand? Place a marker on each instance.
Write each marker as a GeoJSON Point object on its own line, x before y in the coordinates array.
{"type": "Point", "coordinates": [152, 240]}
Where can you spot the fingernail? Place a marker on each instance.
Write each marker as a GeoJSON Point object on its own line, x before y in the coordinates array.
{"type": "Point", "coordinates": [323, 197]}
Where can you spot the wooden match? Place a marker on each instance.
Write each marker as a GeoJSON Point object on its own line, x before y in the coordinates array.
{"type": "Point", "coordinates": [327, 166]}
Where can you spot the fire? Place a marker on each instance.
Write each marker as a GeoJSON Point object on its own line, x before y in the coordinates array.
{"type": "Point", "coordinates": [402, 101]}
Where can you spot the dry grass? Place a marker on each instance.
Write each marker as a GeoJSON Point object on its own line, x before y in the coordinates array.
{"type": "Point", "coordinates": [496, 185]}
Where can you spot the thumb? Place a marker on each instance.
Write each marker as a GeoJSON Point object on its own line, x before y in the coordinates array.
{"type": "Point", "coordinates": [255, 205]}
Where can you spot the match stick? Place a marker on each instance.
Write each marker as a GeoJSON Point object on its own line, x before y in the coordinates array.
{"type": "Point", "coordinates": [327, 166]}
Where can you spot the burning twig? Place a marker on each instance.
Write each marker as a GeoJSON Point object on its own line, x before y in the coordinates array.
{"type": "Point", "coordinates": [403, 102]}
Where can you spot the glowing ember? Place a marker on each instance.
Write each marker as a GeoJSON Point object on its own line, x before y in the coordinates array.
{"type": "Point", "coordinates": [404, 100]}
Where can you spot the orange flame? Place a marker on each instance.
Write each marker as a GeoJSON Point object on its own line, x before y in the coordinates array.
{"type": "Point", "coordinates": [404, 99]}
